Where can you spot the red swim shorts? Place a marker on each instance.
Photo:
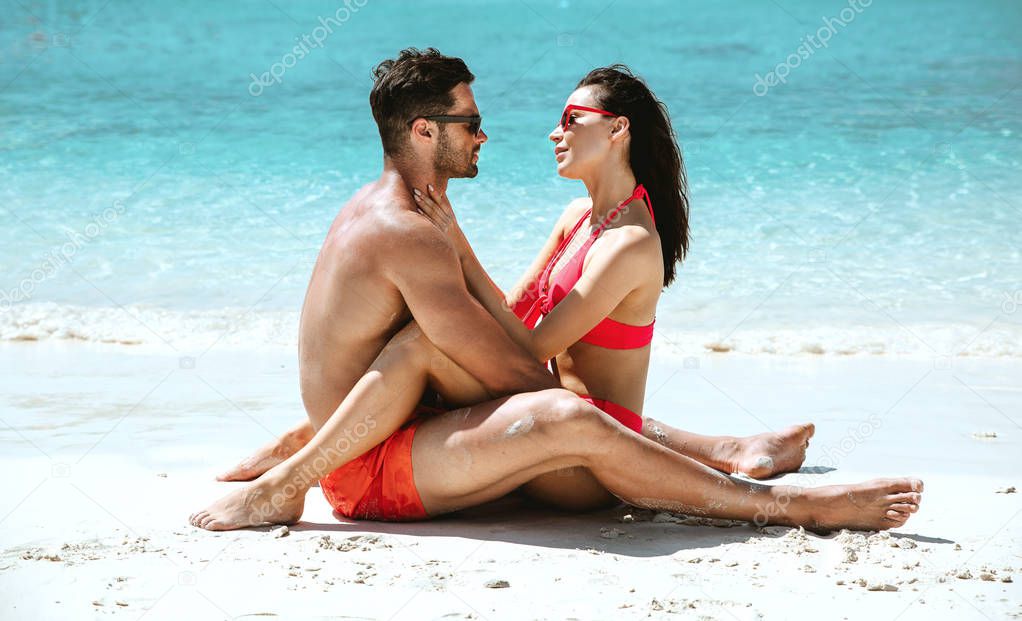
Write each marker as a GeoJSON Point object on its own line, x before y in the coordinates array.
{"type": "Point", "coordinates": [380, 484]}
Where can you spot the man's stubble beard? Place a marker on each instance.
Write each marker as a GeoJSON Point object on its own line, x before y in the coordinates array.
{"type": "Point", "coordinates": [446, 164]}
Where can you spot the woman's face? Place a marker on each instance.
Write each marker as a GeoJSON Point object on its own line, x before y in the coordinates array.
{"type": "Point", "coordinates": [583, 142]}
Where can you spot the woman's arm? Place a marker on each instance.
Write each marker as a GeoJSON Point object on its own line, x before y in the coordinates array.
{"type": "Point", "coordinates": [530, 279]}
{"type": "Point", "coordinates": [609, 277]}
{"type": "Point", "coordinates": [438, 209]}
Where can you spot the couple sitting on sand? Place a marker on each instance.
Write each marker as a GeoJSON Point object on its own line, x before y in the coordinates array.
{"type": "Point", "coordinates": [399, 312]}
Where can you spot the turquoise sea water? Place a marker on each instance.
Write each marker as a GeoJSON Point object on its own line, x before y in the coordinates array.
{"type": "Point", "coordinates": [152, 191]}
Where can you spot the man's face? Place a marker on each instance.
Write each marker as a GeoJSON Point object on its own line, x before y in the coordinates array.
{"type": "Point", "coordinates": [457, 151]}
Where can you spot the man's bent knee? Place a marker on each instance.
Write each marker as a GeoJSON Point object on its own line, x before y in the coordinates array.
{"type": "Point", "coordinates": [411, 341]}
{"type": "Point", "coordinates": [565, 416]}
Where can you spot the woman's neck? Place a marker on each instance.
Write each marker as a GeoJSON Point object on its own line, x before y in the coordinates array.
{"type": "Point", "coordinates": [608, 188]}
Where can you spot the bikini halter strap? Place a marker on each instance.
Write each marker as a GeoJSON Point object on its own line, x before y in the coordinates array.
{"type": "Point", "coordinates": [640, 192]}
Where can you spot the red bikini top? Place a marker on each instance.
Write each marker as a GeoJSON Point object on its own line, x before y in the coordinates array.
{"type": "Point", "coordinates": [608, 333]}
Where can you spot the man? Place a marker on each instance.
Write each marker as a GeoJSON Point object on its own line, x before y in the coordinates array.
{"type": "Point", "coordinates": [382, 263]}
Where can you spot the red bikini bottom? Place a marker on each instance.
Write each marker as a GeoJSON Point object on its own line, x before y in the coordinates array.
{"type": "Point", "coordinates": [620, 413]}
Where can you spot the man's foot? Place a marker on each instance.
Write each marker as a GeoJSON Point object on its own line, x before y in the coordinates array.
{"type": "Point", "coordinates": [874, 505]}
{"type": "Point", "coordinates": [267, 456]}
{"type": "Point", "coordinates": [264, 502]}
{"type": "Point", "coordinates": [769, 454]}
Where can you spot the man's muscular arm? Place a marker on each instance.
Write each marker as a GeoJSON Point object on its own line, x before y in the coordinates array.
{"type": "Point", "coordinates": [427, 271]}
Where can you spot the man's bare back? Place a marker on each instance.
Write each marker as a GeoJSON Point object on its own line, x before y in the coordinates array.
{"type": "Point", "coordinates": [351, 308]}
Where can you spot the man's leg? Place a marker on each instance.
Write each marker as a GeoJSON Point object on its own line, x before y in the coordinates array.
{"type": "Point", "coordinates": [271, 453]}
{"type": "Point", "coordinates": [409, 360]}
{"type": "Point", "coordinates": [471, 456]}
{"type": "Point", "coordinates": [759, 456]}
{"type": "Point", "coordinates": [380, 402]}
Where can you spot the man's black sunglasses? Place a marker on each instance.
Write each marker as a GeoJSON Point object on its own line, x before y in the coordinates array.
{"type": "Point", "coordinates": [475, 122]}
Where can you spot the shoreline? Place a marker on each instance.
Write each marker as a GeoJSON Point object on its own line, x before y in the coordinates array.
{"type": "Point", "coordinates": [198, 330]}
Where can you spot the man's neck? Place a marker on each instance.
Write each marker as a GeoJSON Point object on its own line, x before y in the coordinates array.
{"type": "Point", "coordinates": [413, 175]}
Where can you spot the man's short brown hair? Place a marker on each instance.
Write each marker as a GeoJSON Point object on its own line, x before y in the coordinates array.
{"type": "Point", "coordinates": [413, 85]}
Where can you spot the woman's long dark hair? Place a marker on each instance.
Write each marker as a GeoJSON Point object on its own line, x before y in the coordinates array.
{"type": "Point", "coordinates": [655, 158]}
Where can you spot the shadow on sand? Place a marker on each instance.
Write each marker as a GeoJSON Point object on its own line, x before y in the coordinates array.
{"type": "Point", "coordinates": [514, 519]}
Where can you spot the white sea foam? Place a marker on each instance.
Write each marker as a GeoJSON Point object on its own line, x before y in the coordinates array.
{"type": "Point", "coordinates": [148, 326]}
{"type": "Point", "coordinates": [238, 328]}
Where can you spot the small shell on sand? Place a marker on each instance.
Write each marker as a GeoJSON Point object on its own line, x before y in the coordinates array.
{"type": "Point", "coordinates": [1006, 490]}
{"type": "Point", "coordinates": [984, 435]}
{"type": "Point", "coordinates": [880, 586]}
{"type": "Point", "coordinates": [497, 584]}
{"type": "Point", "coordinates": [280, 531]}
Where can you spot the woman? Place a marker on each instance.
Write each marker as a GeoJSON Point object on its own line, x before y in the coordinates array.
{"type": "Point", "coordinates": [597, 280]}
{"type": "Point", "coordinates": [595, 284]}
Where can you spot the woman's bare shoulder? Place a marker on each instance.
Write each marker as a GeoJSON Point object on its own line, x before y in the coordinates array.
{"type": "Point", "coordinates": [574, 211]}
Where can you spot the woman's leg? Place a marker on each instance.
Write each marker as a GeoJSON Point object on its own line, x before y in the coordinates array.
{"type": "Point", "coordinates": [380, 402]}
{"type": "Point", "coordinates": [474, 455]}
{"type": "Point", "coordinates": [760, 456]}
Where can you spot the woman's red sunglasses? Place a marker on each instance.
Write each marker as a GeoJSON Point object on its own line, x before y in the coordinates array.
{"type": "Point", "coordinates": [570, 107]}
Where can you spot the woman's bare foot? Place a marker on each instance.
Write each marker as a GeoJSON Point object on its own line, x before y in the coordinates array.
{"type": "Point", "coordinates": [874, 505]}
{"type": "Point", "coordinates": [266, 501]}
{"type": "Point", "coordinates": [268, 456]}
{"type": "Point", "coordinates": [769, 454]}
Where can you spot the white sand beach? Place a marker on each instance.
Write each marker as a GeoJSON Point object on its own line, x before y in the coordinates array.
{"type": "Point", "coordinates": [170, 172]}
{"type": "Point", "coordinates": [109, 448]}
